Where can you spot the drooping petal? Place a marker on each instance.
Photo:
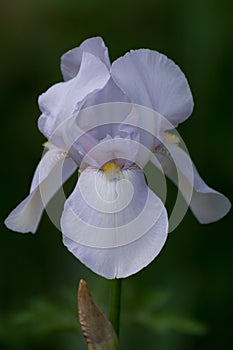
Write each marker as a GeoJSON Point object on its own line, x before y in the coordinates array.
{"type": "Point", "coordinates": [123, 261]}
{"type": "Point", "coordinates": [151, 79]}
{"type": "Point", "coordinates": [52, 171]}
{"type": "Point", "coordinates": [71, 60]}
{"type": "Point", "coordinates": [46, 164]}
{"type": "Point", "coordinates": [206, 204]}
{"type": "Point", "coordinates": [60, 101]}
{"type": "Point", "coordinates": [114, 226]}
{"type": "Point", "coordinates": [26, 216]}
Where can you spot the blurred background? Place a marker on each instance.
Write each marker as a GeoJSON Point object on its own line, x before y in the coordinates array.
{"type": "Point", "coordinates": [183, 300]}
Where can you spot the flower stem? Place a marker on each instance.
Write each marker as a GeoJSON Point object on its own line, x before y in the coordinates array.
{"type": "Point", "coordinates": [115, 306]}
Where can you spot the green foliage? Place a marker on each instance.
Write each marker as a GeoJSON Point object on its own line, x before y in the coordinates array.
{"type": "Point", "coordinates": [40, 318]}
{"type": "Point", "coordinates": [43, 317]}
{"type": "Point", "coordinates": [164, 322]}
{"type": "Point", "coordinates": [151, 310]}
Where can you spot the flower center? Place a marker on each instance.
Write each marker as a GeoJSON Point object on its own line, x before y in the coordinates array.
{"type": "Point", "coordinates": [112, 171]}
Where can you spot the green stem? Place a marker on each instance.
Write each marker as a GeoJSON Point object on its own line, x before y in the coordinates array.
{"type": "Point", "coordinates": [115, 307]}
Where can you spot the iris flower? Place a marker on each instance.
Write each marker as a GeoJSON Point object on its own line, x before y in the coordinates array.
{"type": "Point", "coordinates": [109, 121]}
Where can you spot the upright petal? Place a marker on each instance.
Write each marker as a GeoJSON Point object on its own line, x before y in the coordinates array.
{"type": "Point", "coordinates": [71, 60]}
{"type": "Point", "coordinates": [118, 123]}
{"type": "Point", "coordinates": [114, 226]}
{"type": "Point", "coordinates": [110, 93]}
{"type": "Point", "coordinates": [126, 150]}
{"type": "Point", "coordinates": [52, 171]}
{"type": "Point", "coordinates": [151, 79]}
{"type": "Point", "coordinates": [60, 101]}
{"type": "Point", "coordinates": [206, 204]}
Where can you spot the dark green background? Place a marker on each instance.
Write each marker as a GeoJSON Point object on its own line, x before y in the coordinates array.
{"type": "Point", "coordinates": [195, 265]}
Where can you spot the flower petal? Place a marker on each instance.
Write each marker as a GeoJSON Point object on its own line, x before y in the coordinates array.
{"type": "Point", "coordinates": [151, 79]}
{"type": "Point", "coordinates": [124, 261]}
{"type": "Point", "coordinates": [129, 130]}
{"type": "Point", "coordinates": [206, 204]}
{"type": "Point", "coordinates": [115, 227]}
{"type": "Point", "coordinates": [129, 151]}
{"type": "Point", "coordinates": [110, 93]}
{"type": "Point", "coordinates": [46, 181]}
{"type": "Point", "coordinates": [71, 60]}
{"type": "Point", "coordinates": [60, 101]}
{"type": "Point", "coordinates": [26, 216]}
{"type": "Point", "coordinates": [108, 96]}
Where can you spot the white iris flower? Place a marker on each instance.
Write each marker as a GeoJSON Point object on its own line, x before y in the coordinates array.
{"type": "Point", "coordinates": [108, 121]}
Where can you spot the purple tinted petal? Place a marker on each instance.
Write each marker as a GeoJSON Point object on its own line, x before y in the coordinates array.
{"type": "Point", "coordinates": [206, 204]}
{"type": "Point", "coordinates": [151, 79]}
{"type": "Point", "coordinates": [113, 231]}
{"type": "Point", "coordinates": [71, 60]}
{"type": "Point", "coordinates": [126, 260]}
{"type": "Point", "coordinates": [120, 122]}
{"type": "Point", "coordinates": [60, 101]}
{"type": "Point", "coordinates": [110, 93]}
{"type": "Point", "coordinates": [26, 216]}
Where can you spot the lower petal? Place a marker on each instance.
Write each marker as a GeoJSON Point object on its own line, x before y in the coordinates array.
{"type": "Point", "coordinates": [206, 204]}
{"type": "Point", "coordinates": [50, 174]}
{"type": "Point", "coordinates": [124, 261]}
{"type": "Point", "coordinates": [26, 216]}
{"type": "Point", "coordinates": [113, 228]}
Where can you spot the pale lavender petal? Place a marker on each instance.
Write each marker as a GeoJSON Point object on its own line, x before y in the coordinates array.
{"type": "Point", "coordinates": [115, 227]}
{"type": "Point", "coordinates": [71, 60]}
{"type": "Point", "coordinates": [46, 181]}
{"type": "Point", "coordinates": [206, 204]}
{"type": "Point", "coordinates": [102, 115]}
{"type": "Point", "coordinates": [48, 162]}
{"type": "Point", "coordinates": [110, 93]}
{"type": "Point", "coordinates": [151, 79]}
{"type": "Point", "coordinates": [26, 216]}
{"type": "Point", "coordinates": [60, 101]}
{"type": "Point", "coordinates": [118, 148]}
{"type": "Point", "coordinates": [126, 260]}
{"type": "Point", "coordinates": [121, 122]}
